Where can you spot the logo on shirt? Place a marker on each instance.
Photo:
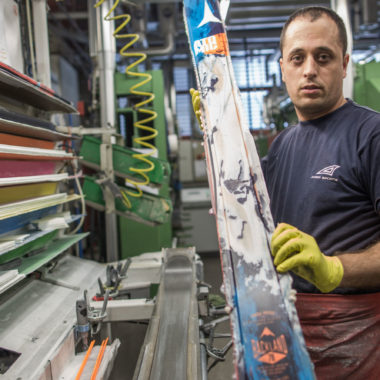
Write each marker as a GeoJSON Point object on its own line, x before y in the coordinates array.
{"type": "Point", "coordinates": [327, 171]}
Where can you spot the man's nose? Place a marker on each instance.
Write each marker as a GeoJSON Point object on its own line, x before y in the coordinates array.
{"type": "Point", "coordinates": [310, 67]}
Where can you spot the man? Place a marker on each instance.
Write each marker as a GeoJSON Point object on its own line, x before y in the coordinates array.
{"type": "Point", "coordinates": [323, 178]}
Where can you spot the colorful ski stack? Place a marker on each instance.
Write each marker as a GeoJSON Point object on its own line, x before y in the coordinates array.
{"type": "Point", "coordinates": [268, 341]}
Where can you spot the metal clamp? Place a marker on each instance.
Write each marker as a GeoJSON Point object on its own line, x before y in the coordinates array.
{"type": "Point", "coordinates": [96, 316]}
{"type": "Point", "coordinates": [113, 278]}
{"type": "Point", "coordinates": [105, 181]}
{"type": "Point", "coordinates": [218, 354]}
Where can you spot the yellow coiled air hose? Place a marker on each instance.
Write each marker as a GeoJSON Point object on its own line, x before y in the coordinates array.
{"type": "Point", "coordinates": [139, 107]}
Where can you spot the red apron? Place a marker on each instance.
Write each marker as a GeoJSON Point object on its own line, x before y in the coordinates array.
{"type": "Point", "coordinates": [342, 334]}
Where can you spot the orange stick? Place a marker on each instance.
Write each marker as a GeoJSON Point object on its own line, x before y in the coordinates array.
{"type": "Point", "coordinates": [99, 359]}
{"type": "Point", "coordinates": [85, 360]}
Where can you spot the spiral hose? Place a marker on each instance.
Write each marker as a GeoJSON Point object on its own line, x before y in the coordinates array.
{"type": "Point", "coordinates": [139, 107]}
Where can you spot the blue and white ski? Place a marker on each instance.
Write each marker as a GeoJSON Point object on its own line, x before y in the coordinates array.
{"type": "Point", "coordinates": [268, 341]}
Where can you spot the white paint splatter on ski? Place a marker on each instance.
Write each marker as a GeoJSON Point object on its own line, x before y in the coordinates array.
{"type": "Point", "coordinates": [268, 342]}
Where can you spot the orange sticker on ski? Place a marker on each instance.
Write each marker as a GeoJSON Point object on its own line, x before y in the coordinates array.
{"type": "Point", "coordinates": [269, 349]}
{"type": "Point", "coordinates": [216, 44]}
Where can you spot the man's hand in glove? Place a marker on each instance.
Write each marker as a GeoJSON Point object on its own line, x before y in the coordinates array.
{"type": "Point", "coordinates": [196, 101]}
{"type": "Point", "coordinates": [299, 252]}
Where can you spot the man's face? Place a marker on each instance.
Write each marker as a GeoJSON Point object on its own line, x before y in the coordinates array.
{"type": "Point", "coordinates": [313, 66]}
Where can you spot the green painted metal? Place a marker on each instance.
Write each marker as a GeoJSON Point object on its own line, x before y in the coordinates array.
{"type": "Point", "coordinates": [261, 145]}
{"type": "Point", "coordinates": [136, 238]}
{"type": "Point", "coordinates": [367, 84]}
{"type": "Point", "coordinates": [123, 160]}
{"type": "Point", "coordinates": [29, 247]}
{"type": "Point", "coordinates": [153, 290]}
{"type": "Point", "coordinates": [123, 86]}
{"type": "Point", "coordinates": [55, 248]}
{"type": "Point", "coordinates": [148, 207]}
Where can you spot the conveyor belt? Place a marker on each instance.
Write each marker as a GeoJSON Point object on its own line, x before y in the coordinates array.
{"type": "Point", "coordinates": [171, 347]}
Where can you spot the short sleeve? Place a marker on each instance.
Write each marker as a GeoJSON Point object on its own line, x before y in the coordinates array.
{"type": "Point", "coordinates": [370, 161]}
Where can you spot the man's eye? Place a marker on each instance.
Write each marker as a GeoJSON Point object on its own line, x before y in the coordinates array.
{"type": "Point", "coordinates": [296, 59]}
{"type": "Point", "coordinates": [323, 57]}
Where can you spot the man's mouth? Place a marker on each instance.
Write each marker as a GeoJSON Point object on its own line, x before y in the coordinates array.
{"type": "Point", "coordinates": [310, 89]}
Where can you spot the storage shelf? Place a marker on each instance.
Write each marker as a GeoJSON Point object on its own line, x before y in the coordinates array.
{"type": "Point", "coordinates": [31, 241]}
{"type": "Point", "coordinates": [30, 264]}
{"type": "Point", "coordinates": [20, 208]}
{"type": "Point", "coordinates": [27, 197]}
{"type": "Point", "coordinates": [9, 278]}
{"type": "Point", "coordinates": [11, 181]}
{"type": "Point", "coordinates": [23, 91]}
{"type": "Point", "coordinates": [16, 128]}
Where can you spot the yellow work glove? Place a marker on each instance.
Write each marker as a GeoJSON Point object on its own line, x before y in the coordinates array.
{"type": "Point", "coordinates": [299, 252]}
{"type": "Point", "coordinates": [196, 102]}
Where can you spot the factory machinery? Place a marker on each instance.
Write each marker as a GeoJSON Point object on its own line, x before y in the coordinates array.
{"type": "Point", "coordinates": [49, 323]}
{"type": "Point", "coordinates": [138, 315]}
{"type": "Point", "coordinates": [145, 312]}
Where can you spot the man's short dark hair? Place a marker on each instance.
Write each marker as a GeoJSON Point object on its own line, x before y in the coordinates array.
{"type": "Point", "coordinates": [314, 13]}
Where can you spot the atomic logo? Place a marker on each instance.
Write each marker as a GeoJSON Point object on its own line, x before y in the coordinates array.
{"type": "Point", "coordinates": [208, 16]}
{"type": "Point", "coordinates": [215, 44]}
{"type": "Point", "coordinates": [269, 349]}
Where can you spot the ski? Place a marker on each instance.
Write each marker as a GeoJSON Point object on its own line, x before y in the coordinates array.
{"type": "Point", "coordinates": [268, 341]}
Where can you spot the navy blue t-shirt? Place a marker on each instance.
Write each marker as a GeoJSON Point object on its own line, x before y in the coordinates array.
{"type": "Point", "coordinates": [323, 177]}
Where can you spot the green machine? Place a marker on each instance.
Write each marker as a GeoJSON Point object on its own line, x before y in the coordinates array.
{"type": "Point", "coordinates": [367, 84]}
{"type": "Point", "coordinates": [136, 237]}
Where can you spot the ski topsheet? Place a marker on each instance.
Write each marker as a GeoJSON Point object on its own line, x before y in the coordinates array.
{"type": "Point", "coordinates": [268, 341]}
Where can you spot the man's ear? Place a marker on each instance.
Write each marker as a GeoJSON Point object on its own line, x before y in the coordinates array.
{"type": "Point", "coordinates": [346, 59]}
{"type": "Point", "coordinates": [282, 70]}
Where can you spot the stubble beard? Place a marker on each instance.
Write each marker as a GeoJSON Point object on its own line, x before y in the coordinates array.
{"type": "Point", "coordinates": [312, 108]}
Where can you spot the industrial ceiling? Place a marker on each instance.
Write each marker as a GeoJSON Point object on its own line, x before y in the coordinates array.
{"type": "Point", "coordinates": [251, 24]}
